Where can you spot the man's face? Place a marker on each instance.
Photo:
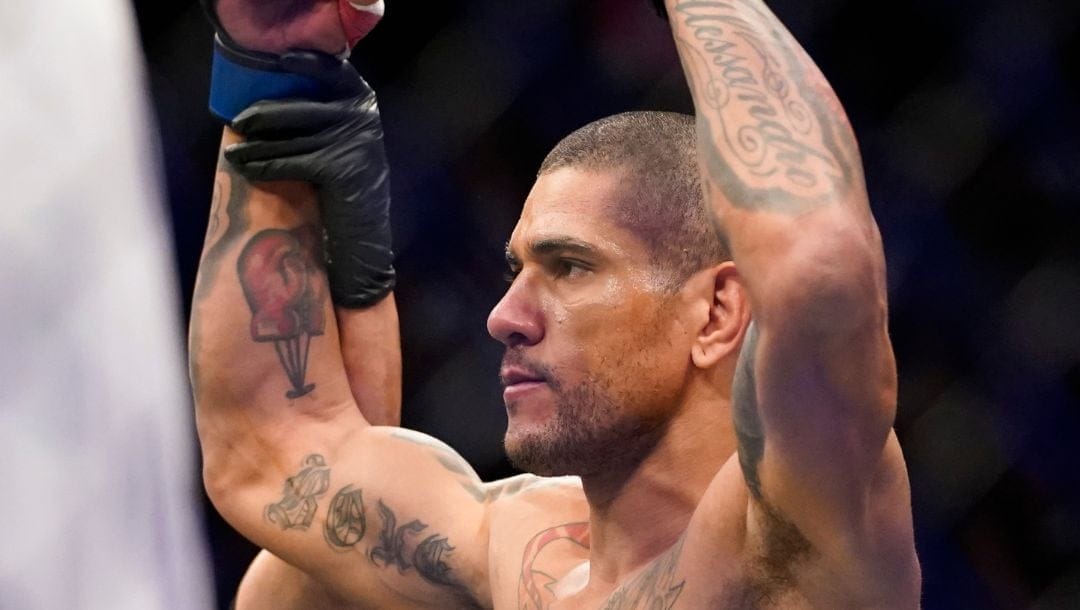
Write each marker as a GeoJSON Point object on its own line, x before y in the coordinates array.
{"type": "Point", "coordinates": [596, 351]}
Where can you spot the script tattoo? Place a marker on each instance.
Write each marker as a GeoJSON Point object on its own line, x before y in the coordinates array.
{"type": "Point", "coordinates": [345, 519]}
{"type": "Point", "coordinates": [748, 428]}
{"type": "Point", "coordinates": [286, 291]}
{"type": "Point", "coordinates": [655, 588]}
{"type": "Point", "coordinates": [297, 506]}
{"type": "Point", "coordinates": [428, 559]}
{"type": "Point", "coordinates": [770, 132]}
{"type": "Point", "coordinates": [427, 556]}
{"type": "Point", "coordinates": [391, 548]}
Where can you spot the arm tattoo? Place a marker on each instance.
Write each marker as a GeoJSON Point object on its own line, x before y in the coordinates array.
{"type": "Point", "coordinates": [236, 221]}
{"type": "Point", "coordinates": [225, 227]}
{"type": "Point", "coordinates": [346, 522]}
{"type": "Point", "coordinates": [391, 548]}
{"type": "Point", "coordinates": [286, 291]}
{"type": "Point", "coordinates": [657, 588]}
{"type": "Point", "coordinates": [297, 506]}
{"type": "Point", "coordinates": [534, 585]}
{"type": "Point", "coordinates": [770, 131]}
{"type": "Point", "coordinates": [428, 560]}
{"type": "Point", "coordinates": [427, 556]}
{"type": "Point", "coordinates": [748, 428]}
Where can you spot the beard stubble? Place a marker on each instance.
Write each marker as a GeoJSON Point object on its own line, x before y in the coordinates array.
{"type": "Point", "coordinates": [588, 434]}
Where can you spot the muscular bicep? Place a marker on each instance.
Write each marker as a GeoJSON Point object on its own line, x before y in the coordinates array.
{"type": "Point", "coordinates": [812, 414]}
{"type": "Point", "coordinates": [824, 472]}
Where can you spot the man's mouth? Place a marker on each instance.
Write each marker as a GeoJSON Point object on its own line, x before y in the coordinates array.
{"type": "Point", "coordinates": [517, 375]}
{"type": "Point", "coordinates": [520, 381]}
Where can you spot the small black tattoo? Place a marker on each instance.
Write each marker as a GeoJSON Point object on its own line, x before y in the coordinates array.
{"type": "Point", "coordinates": [391, 548]}
{"type": "Point", "coordinates": [298, 504]}
{"type": "Point", "coordinates": [345, 519]}
{"type": "Point", "coordinates": [428, 556]}
{"type": "Point", "coordinates": [428, 559]}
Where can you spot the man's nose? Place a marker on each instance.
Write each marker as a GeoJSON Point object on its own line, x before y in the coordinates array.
{"type": "Point", "coordinates": [516, 319]}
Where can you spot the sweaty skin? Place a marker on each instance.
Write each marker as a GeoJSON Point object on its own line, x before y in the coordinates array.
{"type": "Point", "coordinates": [755, 464]}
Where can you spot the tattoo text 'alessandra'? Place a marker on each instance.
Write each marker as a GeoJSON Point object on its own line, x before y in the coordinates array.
{"type": "Point", "coordinates": [772, 136]}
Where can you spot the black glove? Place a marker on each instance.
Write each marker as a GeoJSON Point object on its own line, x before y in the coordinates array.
{"type": "Point", "coordinates": [337, 146]}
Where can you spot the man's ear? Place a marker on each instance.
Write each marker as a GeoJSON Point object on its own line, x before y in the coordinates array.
{"type": "Point", "coordinates": [729, 314]}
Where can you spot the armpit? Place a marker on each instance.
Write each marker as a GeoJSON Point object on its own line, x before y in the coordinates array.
{"type": "Point", "coordinates": [775, 552]}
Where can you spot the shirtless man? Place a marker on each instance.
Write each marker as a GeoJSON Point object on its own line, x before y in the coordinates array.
{"type": "Point", "coordinates": [719, 462]}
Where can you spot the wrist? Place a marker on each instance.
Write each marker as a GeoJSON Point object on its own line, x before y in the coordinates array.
{"type": "Point", "coordinates": [240, 77]}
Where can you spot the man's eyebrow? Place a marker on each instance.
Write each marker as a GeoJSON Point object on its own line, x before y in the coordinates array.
{"type": "Point", "coordinates": [552, 245]}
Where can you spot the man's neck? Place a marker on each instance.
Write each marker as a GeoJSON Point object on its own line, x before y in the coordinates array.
{"type": "Point", "coordinates": [639, 511]}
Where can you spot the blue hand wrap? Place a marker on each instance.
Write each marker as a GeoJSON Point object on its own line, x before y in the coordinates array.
{"type": "Point", "coordinates": [240, 78]}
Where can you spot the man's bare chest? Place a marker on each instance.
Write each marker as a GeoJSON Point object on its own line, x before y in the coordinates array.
{"type": "Point", "coordinates": [554, 574]}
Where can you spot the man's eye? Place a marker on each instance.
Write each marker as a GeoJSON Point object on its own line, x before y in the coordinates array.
{"type": "Point", "coordinates": [510, 275]}
{"type": "Point", "coordinates": [569, 268]}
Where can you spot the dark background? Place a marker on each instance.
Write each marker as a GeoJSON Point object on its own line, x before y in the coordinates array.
{"type": "Point", "coordinates": [967, 114]}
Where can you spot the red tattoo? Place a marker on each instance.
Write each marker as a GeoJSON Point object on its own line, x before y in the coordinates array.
{"type": "Point", "coordinates": [282, 285]}
{"type": "Point", "coordinates": [534, 586]}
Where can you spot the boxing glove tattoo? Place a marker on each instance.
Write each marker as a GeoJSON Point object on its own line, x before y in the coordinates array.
{"type": "Point", "coordinates": [338, 147]}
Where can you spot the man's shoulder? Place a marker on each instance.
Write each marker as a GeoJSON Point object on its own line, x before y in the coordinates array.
{"type": "Point", "coordinates": [525, 504]}
{"type": "Point", "coordinates": [528, 488]}
{"type": "Point", "coordinates": [539, 531]}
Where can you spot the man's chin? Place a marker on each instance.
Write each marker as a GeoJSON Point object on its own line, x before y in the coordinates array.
{"type": "Point", "coordinates": [536, 452]}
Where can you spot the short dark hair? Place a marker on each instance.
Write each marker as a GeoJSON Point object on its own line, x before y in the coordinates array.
{"type": "Point", "coordinates": [665, 206]}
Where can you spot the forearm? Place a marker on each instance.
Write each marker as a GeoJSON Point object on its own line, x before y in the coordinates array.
{"type": "Point", "coordinates": [272, 583]}
{"type": "Point", "coordinates": [371, 348]}
{"type": "Point", "coordinates": [779, 163]}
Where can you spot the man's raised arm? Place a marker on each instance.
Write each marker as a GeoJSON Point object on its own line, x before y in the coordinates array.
{"type": "Point", "coordinates": [815, 389]}
{"type": "Point", "coordinates": [289, 460]}
{"type": "Point", "coordinates": [380, 516]}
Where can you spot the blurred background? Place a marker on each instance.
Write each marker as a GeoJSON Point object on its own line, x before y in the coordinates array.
{"type": "Point", "coordinates": [968, 114]}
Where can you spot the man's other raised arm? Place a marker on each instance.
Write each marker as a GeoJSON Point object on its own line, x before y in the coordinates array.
{"type": "Point", "coordinates": [815, 389]}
